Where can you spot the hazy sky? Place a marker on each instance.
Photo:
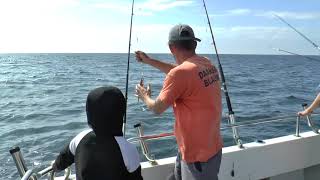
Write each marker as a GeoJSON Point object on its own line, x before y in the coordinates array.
{"type": "Point", "coordinates": [240, 26]}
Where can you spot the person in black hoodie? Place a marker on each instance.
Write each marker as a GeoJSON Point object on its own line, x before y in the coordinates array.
{"type": "Point", "coordinates": [101, 152]}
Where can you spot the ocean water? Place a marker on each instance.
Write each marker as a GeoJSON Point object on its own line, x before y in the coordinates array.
{"type": "Point", "coordinates": [42, 99]}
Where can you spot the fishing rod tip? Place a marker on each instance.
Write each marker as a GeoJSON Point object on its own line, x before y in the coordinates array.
{"type": "Point", "coordinates": [274, 14]}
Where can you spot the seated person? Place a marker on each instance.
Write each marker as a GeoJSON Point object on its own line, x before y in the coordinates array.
{"type": "Point", "coordinates": [101, 152]}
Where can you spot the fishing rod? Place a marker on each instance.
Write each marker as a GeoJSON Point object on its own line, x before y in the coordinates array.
{"type": "Point", "coordinates": [310, 58]}
{"type": "Point", "coordinates": [128, 66]}
{"type": "Point", "coordinates": [305, 37]}
{"type": "Point", "coordinates": [224, 85]}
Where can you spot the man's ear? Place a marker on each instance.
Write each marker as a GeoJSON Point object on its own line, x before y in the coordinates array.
{"type": "Point", "coordinates": [172, 48]}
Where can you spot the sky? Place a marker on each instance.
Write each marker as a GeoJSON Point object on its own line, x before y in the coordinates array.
{"type": "Point", "coordinates": [103, 26]}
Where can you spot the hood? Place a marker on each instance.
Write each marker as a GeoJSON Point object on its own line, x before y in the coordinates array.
{"type": "Point", "coordinates": [105, 108]}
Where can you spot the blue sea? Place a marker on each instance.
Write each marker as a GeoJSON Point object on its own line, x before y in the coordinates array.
{"type": "Point", "coordinates": [42, 99]}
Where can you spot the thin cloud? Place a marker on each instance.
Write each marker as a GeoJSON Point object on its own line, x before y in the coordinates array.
{"type": "Point", "coordinates": [254, 28]}
{"type": "Point", "coordinates": [146, 8]}
{"type": "Point", "coordinates": [33, 14]}
{"type": "Point", "coordinates": [234, 12]}
{"type": "Point", "coordinates": [290, 15]}
{"type": "Point", "coordinates": [258, 32]}
{"type": "Point", "coordinates": [37, 4]}
{"type": "Point", "coordinates": [270, 14]}
{"type": "Point", "coordinates": [124, 8]}
{"type": "Point", "coordinates": [239, 11]}
{"type": "Point", "coordinates": [162, 5]}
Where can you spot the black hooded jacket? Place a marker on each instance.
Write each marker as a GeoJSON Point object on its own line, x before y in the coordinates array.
{"type": "Point", "coordinates": [102, 152]}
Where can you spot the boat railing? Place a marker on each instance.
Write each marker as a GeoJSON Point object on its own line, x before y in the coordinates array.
{"type": "Point", "coordinates": [33, 174]}
{"type": "Point", "coordinates": [142, 138]}
{"type": "Point", "coordinates": [28, 175]}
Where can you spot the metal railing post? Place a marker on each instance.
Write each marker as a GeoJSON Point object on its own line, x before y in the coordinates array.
{"type": "Point", "coordinates": [144, 147]}
{"type": "Point", "coordinates": [298, 126]}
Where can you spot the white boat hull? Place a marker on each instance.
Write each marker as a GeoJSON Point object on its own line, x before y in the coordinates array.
{"type": "Point", "coordinates": [283, 158]}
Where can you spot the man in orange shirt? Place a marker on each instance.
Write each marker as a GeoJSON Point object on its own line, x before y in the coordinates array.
{"type": "Point", "coordinates": [192, 88]}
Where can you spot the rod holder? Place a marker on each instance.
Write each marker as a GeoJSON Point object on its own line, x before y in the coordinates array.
{"type": "Point", "coordinates": [298, 126]}
{"type": "Point", "coordinates": [19, 161]}
{"type": "Point", "coordinates": [235, 132]}
{"type": "Point", "coordinates": [144, 146]}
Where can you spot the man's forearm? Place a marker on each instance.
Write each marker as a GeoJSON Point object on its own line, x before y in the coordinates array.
{"type": "Point", "coordinates": [156, 106]}
{"type": "Point", "coordinates": [64, 159]}
{"type": "Point", "coordinates": [162, 66]}
{"type": "Point", "coordinates": [315, 103]}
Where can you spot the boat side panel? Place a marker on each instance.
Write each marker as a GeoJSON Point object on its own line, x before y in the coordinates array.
{"type": "Point", "coordinates": [312, 173]}
{"type": "Point", "coordinates": [257, 161]}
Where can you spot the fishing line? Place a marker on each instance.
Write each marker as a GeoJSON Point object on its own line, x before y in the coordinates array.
{"type": "Point", "coordinates": [295, 54]}
{"type": "Point", "coordinates": [140, 68]}
{"type": "Point", "coordinates": [141, 83]}
{"type": "Point", "coordinates": [302, 35]}
{"type": "Point", "coordinates": [224, 85]}
{"type": "Point", "coordinates": [128, 67]}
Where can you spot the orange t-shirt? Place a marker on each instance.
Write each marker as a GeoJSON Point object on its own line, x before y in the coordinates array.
{"type": "Point", "coordinates": [193, 88]}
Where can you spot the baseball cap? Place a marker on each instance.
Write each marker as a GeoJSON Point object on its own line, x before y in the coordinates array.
{"type": "Point", "coordinates": [182, 32]}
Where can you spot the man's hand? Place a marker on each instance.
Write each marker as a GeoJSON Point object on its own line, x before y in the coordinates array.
{"type": "Point", "coordinates": [55, 168]}
{"type": "Point", "coordinates": [157, 106]}
{"type": "Point", "coordinates": [142, 92]}
{"type": "Point", "coordinates": [305, 112]}
{"type": "Point", "coordinates": [142, 57]}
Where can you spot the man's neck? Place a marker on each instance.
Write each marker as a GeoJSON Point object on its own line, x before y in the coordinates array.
{"type": "Point", "coordinates": [183, 56]}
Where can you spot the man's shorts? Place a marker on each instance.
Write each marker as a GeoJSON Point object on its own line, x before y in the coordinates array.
{"type": "Point", "coordinates": [198, 170]}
